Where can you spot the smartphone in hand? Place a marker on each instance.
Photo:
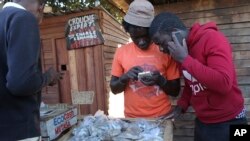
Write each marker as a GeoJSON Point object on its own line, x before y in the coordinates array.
{"type": "Point", "coordinates": [145, 76]}
{"type": "Point", "coordinates": [179, 37]}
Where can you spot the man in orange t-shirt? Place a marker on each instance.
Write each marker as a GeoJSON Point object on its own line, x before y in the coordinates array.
{"type": "Point", "coordinates": [147, 98]}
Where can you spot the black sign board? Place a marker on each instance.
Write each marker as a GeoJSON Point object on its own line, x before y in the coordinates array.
{"type": "Point", "coordinates": [83, 31]}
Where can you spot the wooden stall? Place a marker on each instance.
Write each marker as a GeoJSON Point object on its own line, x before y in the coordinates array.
{"type": "Point", "coordinates": [88, 69]}
{"type": "Point", "coordinates": [233, 19]}
{"type": "Point", "coordinates": [85, 69]}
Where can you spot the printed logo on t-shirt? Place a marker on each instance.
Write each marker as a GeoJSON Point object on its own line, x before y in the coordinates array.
{"type": "Point", "coordinates": [195, 86]}
{"type": "Point", "coordinates": [143, 90]}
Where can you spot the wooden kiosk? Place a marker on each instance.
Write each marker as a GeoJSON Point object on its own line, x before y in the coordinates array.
{"type": "Point", "coordinates": [85, 69]}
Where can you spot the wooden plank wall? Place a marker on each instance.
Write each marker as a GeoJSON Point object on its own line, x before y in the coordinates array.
{"type": "Point", "coordinates": [114, 36]}
{"type": "Point", "coordinates": [49, 94]}
{"type": "Point", "coordinates": [233, 19]}
{"type": "Point", "coordinates": [85, 66]}
{"type": "Point", "coordinates": [88, 68]}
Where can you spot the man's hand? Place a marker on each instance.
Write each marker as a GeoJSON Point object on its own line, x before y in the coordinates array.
{"type": "Point", "coordinates": [131, 74]}
{"type": "Point", "coordinates": [177, 112]}
{"type": "Point", "coordinates": [54, 76]}
{"type": "Point", "coordinates": [156, 79]}
{"type": "Point", "coordinates": [177, 51]}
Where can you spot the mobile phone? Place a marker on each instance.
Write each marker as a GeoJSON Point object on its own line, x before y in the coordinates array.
{"type": "Point", "coordinates": [146, 75]}
{"type": "Point", "coordinates": [177, 34]}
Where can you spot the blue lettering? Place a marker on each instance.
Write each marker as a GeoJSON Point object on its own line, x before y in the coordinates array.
{"type": "Point", "coordinates": [58, 120]}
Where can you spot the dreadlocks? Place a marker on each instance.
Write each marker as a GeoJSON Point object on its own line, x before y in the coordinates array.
{"type": "Point", "coordinates": [166, 22]}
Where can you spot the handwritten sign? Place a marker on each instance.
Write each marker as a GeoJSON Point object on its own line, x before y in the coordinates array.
{"type": "Point", "coordinates": [85, 97]}
{"type": "Point", "coordinates": [83, 31]}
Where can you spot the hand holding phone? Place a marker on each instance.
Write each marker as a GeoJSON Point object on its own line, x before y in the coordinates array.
{"type": "Point", "coordinates": [149, 78]}
{"type": "Point", "coordinates": [178, 48]}
{"type": "Point", "coordinates": [145, 76]}
{"type": "Point", "coordinates": [178, 36]}
{"type": "Point", "coordinates": [132, 74]}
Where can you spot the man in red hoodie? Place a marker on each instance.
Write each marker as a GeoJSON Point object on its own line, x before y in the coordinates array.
{"type": "Point", "coordinates": [211, 87]}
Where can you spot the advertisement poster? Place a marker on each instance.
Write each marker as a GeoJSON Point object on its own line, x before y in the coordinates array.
{"type": "Point", "coordinates": [83, 31]}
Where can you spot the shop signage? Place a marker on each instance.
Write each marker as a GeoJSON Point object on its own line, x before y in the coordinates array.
{"type": "Point", "coordinates": [83, 31]}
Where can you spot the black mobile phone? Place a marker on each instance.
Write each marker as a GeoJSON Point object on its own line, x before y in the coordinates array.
{"type": "Point", "coordinates": [177, 34]}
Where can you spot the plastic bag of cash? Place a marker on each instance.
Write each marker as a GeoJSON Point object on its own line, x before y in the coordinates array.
{"type": "Point", "coordinates": [102, 128]}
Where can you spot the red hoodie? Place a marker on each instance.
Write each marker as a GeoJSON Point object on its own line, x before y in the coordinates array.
{"type": "Point", "coordinates": [210, 79]}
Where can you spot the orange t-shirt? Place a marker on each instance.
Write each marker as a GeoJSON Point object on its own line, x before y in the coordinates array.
{"type": "Point", "coordinates": [140, 100]}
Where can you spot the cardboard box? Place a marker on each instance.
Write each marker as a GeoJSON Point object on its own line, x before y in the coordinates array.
{"type": "Point", "coordinates": [55, 119]}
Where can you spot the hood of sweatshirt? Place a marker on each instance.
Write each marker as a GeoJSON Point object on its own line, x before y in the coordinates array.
{"type": "Point", "coordinates": [197, 31]}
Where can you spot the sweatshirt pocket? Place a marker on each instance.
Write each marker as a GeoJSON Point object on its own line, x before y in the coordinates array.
{"type": "Point", "coordinates": [200, 103]}
{"type": "Point", "coordinates": [218, 102]}
{"type": "Point", "coordinates": [204, 102]}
